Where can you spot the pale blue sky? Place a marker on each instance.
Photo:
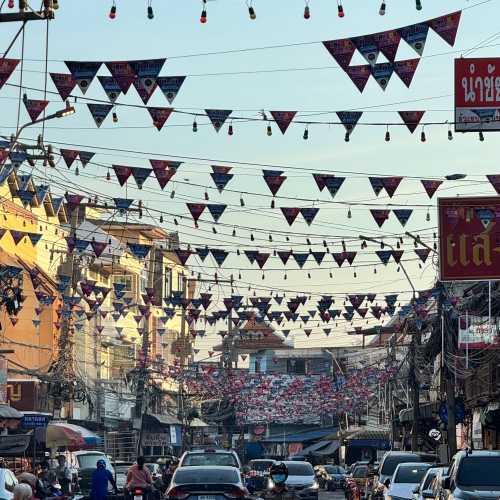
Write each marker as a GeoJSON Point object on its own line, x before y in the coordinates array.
{"type": "Point", "coordinates": [82, 31]}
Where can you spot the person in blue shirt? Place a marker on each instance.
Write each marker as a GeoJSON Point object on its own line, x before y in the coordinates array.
{"type": "Point", "coordinates": [100, 478]}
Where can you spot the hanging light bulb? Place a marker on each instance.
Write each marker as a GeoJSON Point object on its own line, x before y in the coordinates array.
{"type": "Point", "coordinates": [355, 275]}
{"type": "Point", "coordinates": [273, 204]}
{"type": "Point", "coordinates": [349, 213]}
{"type": "Point", "coordinates": [151, 14]}
{"type": "Point", "coordinates": [214, 230]}
{"type": "Point", "coordinates": [374, 270]}
{"type": "Point", "coordinates": [161, 219]}
{"type": "Point", "coordinates": [206, 196]}
{"type": "Point", "coordinates": [331, 275]}
{"type": "Point", "coordinates": [382, 9]}
{"type": "Point", "coordinates": [175, 222]}
{"type": "Point", "coordinates": [481, 136]}
{"type": "Point", "coordinates": [172, 194]}
{"type": "Point", "coordinates": [195, 126]}
{"type": "Point", "coordinates": [269, 130]}
{"type": "Point", "coordinates": [347, 137]}
{"type": "Point", "coordinates": [115, 117]}
{"type": "Point", "coordinates": [77, 170]}
{"type": "Point", "coordinates": [108, 176]}
{"type": "Point", "coordinates": [251, 13]}
{"type": "Point", "coordinates": [230, 129]}
{"type": "Point", "coordinates": [309, 275]}
{"type": "Point", "coordinates": [428, 216]}
{"type": "Point", "coordinates": [307, 11]}
{"type": "Point", "coordinates": [450, 134]}
{"type": "Point", "coordinates": [285, 277]}
{"type": "Point", "coordinates": [306, 134]}
{"type": "Point", "coordinates": [340, 9]}
{"type": "Point", "coordinates": [242, 201]}
{"type": "Point", "coordinates": [234, 232]}
{"type": "Point", "coordinates": [203, 17]}
{"type": "Point", "coordinates": [270, 238]}
{"type": "Point", "coordinates": [387, 135]}
{"type": "Point", "coordinates": [422, 135]}
{"type": "Point", "coordinates": [112, 11]}
{"type": "Point", "coordinates": [418, 4]}
{"type": "Point", "coordinates": [252, 237]}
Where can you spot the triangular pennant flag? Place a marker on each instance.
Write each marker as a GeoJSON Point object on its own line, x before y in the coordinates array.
{"type": "Point", "coordinates": [25, 196]}
{"type": "Point", "coordinates": [147, 71]}
{"type": "Point", "coordinates": [415, 36]}
{"type": "Point", "coordinates": [431, 186]}
{"type": "Point", "coordinates": [219, 255]}
{"type": "Point", "coordinates": [122, 173]}
{"type": "Point", "coordinates": [261, 259]}
{"type": "Point", "coordinates": [196, 209]}
{"type": "Point", "coordinates": [494, 181]}
{"type": "Point", "coordinates": [83, 72]}
{"type": "Point", "coordinates": [341, 50]}
{"type": "Point", "coordinates": [350, 256]}
{"type": "Point", "coordinates": [251, 255]}
{"type": "Point", "coordinates": [320, 181]}
{"type": "Point", "coordinates": [290, 214]}
{"type": "Point", "coordinates": [123, 204]}
{"type": "Point", "coordinates": [446, 26]}
{"type": "Point", "coordinates": [333, 184]}
{"type": "Point", "coordinates": [98, 247]}
{"type": "Point", "coordinates": [406, 69]}
{"type": "Point", "coordinates": [159, 115]}
{"type": "Point", "coordinates": [309, 213]}
{"type": "Point", "coordinates": [34, 237]}
{"type": "Point", "coordinates": [64, 84]}
{"type": "Point", "coordinates": [202, 253]}
{"type": "Point", "coordinates": [349, 119]}
{"type": "Point", "coordinates": [170, 86]}
{"type": "Point", "coordinates": [17, 236]}
{"type": "Point", "coordinates": [274, 182]}
{"type": "Point", "coordinates": [359, 75]}
{"type": "Point", "coordinates": [422, 253]}
{"type": "Point", "coordinates": [221, 178]}
{"type": "Point", "coordinates": [34, 107]}
{"type": "Point", "coordinates": [396, 255]}
{"type": "Point", "coordinates": [403, 215]}
{"type": "Point", "coordinates": [307, 331]}
{"type": "Point", "coordinates": [318, 257]}
{"type": "Point", "coordinates": [411, 119]}
{"type": "Point", "coordinates": [85, 157]}
{"type": "Point", "coordinates": [183, 255]}
{"type": "Point", "coordinates": [123, 74]}
{"type": "Point", "coordinates": [138, 250]}
{"type": "Point", "coordinates": [140, 175]}
{"type": "Point", "coordinates": [300, 258]}
{"type": "Point", "coordinates": [284, 256]}
{"type": "Point", "coordinates": [69, 156]}
{"type": "Point", "coordinates": [7, 66]}
{"type": "Point", "coordinates": [382, 73]}
{"type": "Point", "coordinates": [283, 119]}
{"type": "Point", "coordinates": [367, 47]}
{"type": "Point", "coordinates": [384, 256]}
{"type": "Point", "coordinates": [388, 43]}
{"type": "Point", "coordinates": [111, 88]}
{"type": "Point", "coordinates": [327, 331]}
{"type": "Point", "coordinates": [218, 117]}
{"type": "Point", "coordinates": [377, 184]}
{"type": "Point", "coordinates": [216, 210]}
{"type": "Point", "coordinates": [380, 215]}
{"type": "Point", "coordinates": [164, 170]}
{"type": "Point", "coordinates": [99, 112]}
{"type": "Point", "coordinates": [391, 184]}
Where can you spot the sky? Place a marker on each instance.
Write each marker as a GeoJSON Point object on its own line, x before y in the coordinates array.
{"type": "Point", "coordinates": [301, 76]}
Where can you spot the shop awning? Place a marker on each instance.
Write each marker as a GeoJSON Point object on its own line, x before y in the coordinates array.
{"type": "Point", "coordinates": [330, 449]}
{"type": "Point", "coordinates": [165, 419]}
{"type": "Point", "coordinates": [314, 447]}
{"type": "Point", "coordinates": [198, 423]}
{"type": "Point", "coordinates": [301, 437]}
{"type": "Point", "coordinates": [426, 410]}
{"type": "Point", "coordinates": [6, 411]}
{"type": "Point", "coordinates": [14, 445]}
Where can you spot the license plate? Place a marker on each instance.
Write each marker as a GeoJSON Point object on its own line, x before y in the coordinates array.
{"type": "Point", "coordinates": [207, 497]}
{"type": "Point", "coordinates": [137, 497]}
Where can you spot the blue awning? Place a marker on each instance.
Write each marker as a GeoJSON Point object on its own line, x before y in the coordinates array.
{"type": "Point", "coordinates": [380, 444]}
{"type": "Point", "coordinates": [301, 437]}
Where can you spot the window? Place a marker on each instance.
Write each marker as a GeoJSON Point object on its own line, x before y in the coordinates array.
{"type": "Point", "coordinates": [296, 366]}
{"type": "Point", "coordinates": [203, 459]}
{"type": "Point", "coordinates": [125, 279]}
{"type": "Point", "coordinates": [361, 471]}
{"type": "Point", "coordinates": [143, 281]}
{"type": "Point", "coordinates": [411, 473]}
{"type": "Point", "coordinates": [180, 282]}
{"type": "Point", "coordinates": [300, 469]}
{"type": "Point", "coordinates": [206, 476]}
{"type": "Point", "coordinates": [167, 282]}
{"type": "Point", "coordinates": [479, 472]}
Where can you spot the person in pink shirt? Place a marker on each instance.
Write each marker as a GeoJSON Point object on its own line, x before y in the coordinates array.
{"type": "Point", "coordinates": [138, 476]}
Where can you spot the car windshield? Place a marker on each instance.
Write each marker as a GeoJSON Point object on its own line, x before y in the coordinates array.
{"type": "Point", "coordinates": [360, 471]}
{"type": "Point", "coordinates": [479, 471]}
{"type": "Point", "coordinates": [89, 460]}
{"type": "Point", "coordinates": [206, 476]}
{"type": "Point", "coordinates": [200, 459]}
{"type": "Point", "coordinates": [334, 469]}
{"type": "Point", "coordinates": [300, 469]}
{"type": "Point", "coordinates": [391, 462]}
{"type": "Point", "coordinates": [260, 466]}
{"type": "Point", "coordinates": [411, 473]}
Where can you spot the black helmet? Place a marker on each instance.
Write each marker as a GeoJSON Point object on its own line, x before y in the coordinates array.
{"type": "Point", "coordinates": [278, 472]}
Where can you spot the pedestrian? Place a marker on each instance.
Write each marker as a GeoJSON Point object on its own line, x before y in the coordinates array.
{"type": "Point", "coordinates": [100, 479]}
{"type": "Point", "coordinates": [63, 474]}
{"type": "Point", "coordinates": [22, 491]}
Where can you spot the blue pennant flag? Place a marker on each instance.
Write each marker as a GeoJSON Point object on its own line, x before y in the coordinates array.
{"type": "Point", "coordinates": [83, 72]}
{"type": "Point", "coordinates": [218, 117]}
{"type": "Point", "coordinates": [25, 196]}
{"type": "Point", "coordinates": [216, 210]}
{"type": "Point", "coordinates": [219, 255]}
{"type": "Point", "coordinates": [5, 171]}
{"type": "Point", "coordinates": [36, 322]}
{"type": "Point", "coordinates": [221, 179]}
{"type": "Point", "coordinates": [17, 158]}
{"type": "Point", "coordinates": [110, 86]}
{"type": "Point", "coordinates": [99, 112]}
{"type": "Point", "coordinates": [81, 245]}
{"type": "Point", "coordinates": [123, 204]}
{"type": "Point", "coordinates": [34, 237]}
{"type": "Point", "coordinates": [138, 250]}
{"type": "Point", "coordinates": [202, 253]}
{"type": "Point", "coordinates": [140, 175]}
{"type": "Point", "coordinates": [170, 86]}
{"type": "Point", "coordinates": [349, 119]}
{"type": "Point", "coordinates": [384, 256]}
{"type": "Point", "coordinates": [403, 214]}
{"type": "Point", "coordinates": [300, 258]}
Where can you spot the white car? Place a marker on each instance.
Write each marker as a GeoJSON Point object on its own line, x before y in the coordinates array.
{"type": "Point", "coordinates": [208, 457]}
{"type": "Point", "coordinates": [8, 482]}
{"type": "Point", "coordinates": [405, 479]}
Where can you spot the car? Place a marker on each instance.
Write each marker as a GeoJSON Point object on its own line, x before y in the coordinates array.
{"type": "Point", "coordinates": [405, 479]}
{"type": "Point", "coordinates": [207, 483]}
{"type": "Point", "coordinates": [390, 461]}
{"type": "Point", "coordinates": [335, 477]}
{"type": "Point", "coordinates": [472, 474]}
{"type": "Point", "coordinates": [121, 471]}
{"type": "Point", "coordinates": [427, 487]}
{"type": "Point", "coordinates": [210, 456]}
{"type": "Point", "coordinates": [259, 472]}
{"type": "Point", "coordinates": [301, 480]}
{"type": "Point", "coordinates": [358, 477]}
{"type": "Point", "coordinates": [8, 482]}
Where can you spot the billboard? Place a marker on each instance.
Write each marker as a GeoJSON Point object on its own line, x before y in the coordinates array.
{"type": "Point", "coordinates": [476, 332]}
{"type": "Point", "coordinates": [477, 94]}
{"type": "Point", "coordinates": [469, 238]}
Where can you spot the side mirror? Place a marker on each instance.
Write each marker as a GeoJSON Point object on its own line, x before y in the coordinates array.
{"type": "Point", "coordinates": [446, 482]}
{"type": "Point", "coordinates": [427, 494]}
{"type": "Point", "coordinates": [416, 489]}
{"type": "Point", "coordinates": [387, 482]}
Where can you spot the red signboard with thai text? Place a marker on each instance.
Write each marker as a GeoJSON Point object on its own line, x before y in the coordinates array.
{"type": "Point", "coordinates": [469, 236]}
{"type": "Point", "coordinates": [477, 94]}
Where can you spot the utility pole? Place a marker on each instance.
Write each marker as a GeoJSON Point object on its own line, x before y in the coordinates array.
{"type": "Point", "coordinates": [25, 15]}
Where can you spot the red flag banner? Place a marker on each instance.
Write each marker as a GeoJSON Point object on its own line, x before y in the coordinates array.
{"type": "Point", "coordinates": [274, 182]}
{"type": "Point", "coordinates": [359, 75]}
{"type": "Point", "coordinates": [162, 171]}
{"type": "Point", "coordinates": [159, 116]}
{"type": "Point", "coordinates": [290, 214]}
{"type": "Point", "coordinates": [380, 216]}
{"type": "Point", "coordinates": [341, 50]}
{"type": "Point", "coordinates": [7, 66]}
{"type": "Point", "coordinates": [283, 119]}
{"type": "Point", "coordinates": [64, 84]}
{"type": "Point", "coordinates": [406, 69]}
{"type": "Point", "coordinates": [388, 43]}
{"type": "Point", "coordinates": [446, 26]}
{"type": "Point", "coordinates": [411, 119]}
{"type": "Point", "coordinates": [123, 74]}
{"type": "Point", "coordinates": [196, 209]}
{"type": "Point", "coordinates": [69, 155]}
{"type": "Point", "coordinates": [391, 184]}
{"type": "Point", "coordinates": [122, 173]}
{"type": "Point", "coordinates": [431, 186]}
{"type": "Point", "coordinates": [35, 107]}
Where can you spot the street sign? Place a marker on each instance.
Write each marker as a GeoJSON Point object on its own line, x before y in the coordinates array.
{"type": "Point", "coordinates": [469, 237]}
{"type": "Point", "coordinates": [435, 434]}
{"type": "Point", "coordinates": [477, 94]}
{"type": "Point", "coordinates": [478, 332]}
{"type": "Point", "coordinates": [34, 421]}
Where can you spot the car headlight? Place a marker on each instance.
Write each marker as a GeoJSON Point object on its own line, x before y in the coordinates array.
{"type": "Point", "coordinates": [270, 484]}
{"type": "Point", "coordinates": [314, 485]}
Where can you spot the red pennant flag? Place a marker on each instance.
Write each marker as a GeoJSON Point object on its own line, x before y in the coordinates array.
{"type": "Point", "coordinates": [391, 184]}
{"type": "Point", "coordinates": [284, 256]}
{"type": "Point", "coordinates": [64, 84]}
{"type": "Point", "coordinates": [35, 107]}
{"type": "Point", "coordinates": [283, 119]}
{"type": "Point", "coordinates": [196, 210]}
{"type": "Point", "coordinates": [274, 182]}
{"type": "Point", "coordinates": [162, 171]}
{"type": "Point", "coordinates": [388, 43]}
{"type": "Point", "coordinates": [290, 214]}
{"type": "Point", "coordinates": [160, 116]}
{"type": "Point", "coordinates": [122, 173]}
{"type": "Point", "coordinates": [431, 186]}
{"type": "Point", "coordinates": [411, 119]}
{"type": "Point", "coordinates": [261, 259]}
{"type": "Point", "coordinates": [446, 26]}
{"type": "Point", "coordinates": [495, 182]}
{"type": "Point", "coordinates": [98, 247]}
{"type": "Point", "coordinates": [123, 74]}
{"type": "Point", "coordinates": [406, 69]}
{"type": "Point", "coordinates": [320, 181]}
{"type": "Point", "coordinates": [396, 255]}
{"type": "Point", "coordinates": [359, 75]}
{"type": "Point", "coordinates": [7, 66]}
{"type": "Point", "coordinates": [69, 155]}
{"type": "Point", "coordinates": [423, 253]}
{"type": "Point", "coordinates": [341, 50]}
{"type": "Point", "coordinates": [145, 92]}
{"type": "Point", "coordinates": [380, 216]}
{"type": "Point", "coordinates": [183, 255]}
{"type": "Point", "coordinates": [350, 256]}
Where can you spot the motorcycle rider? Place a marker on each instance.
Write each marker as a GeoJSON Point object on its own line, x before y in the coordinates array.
{"type": "Point", "coordinates": [100, 478]}
{"type": "Point", "coordinates": [278, 474]}
{"type": "Point", "coordinates": [138, 476]}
